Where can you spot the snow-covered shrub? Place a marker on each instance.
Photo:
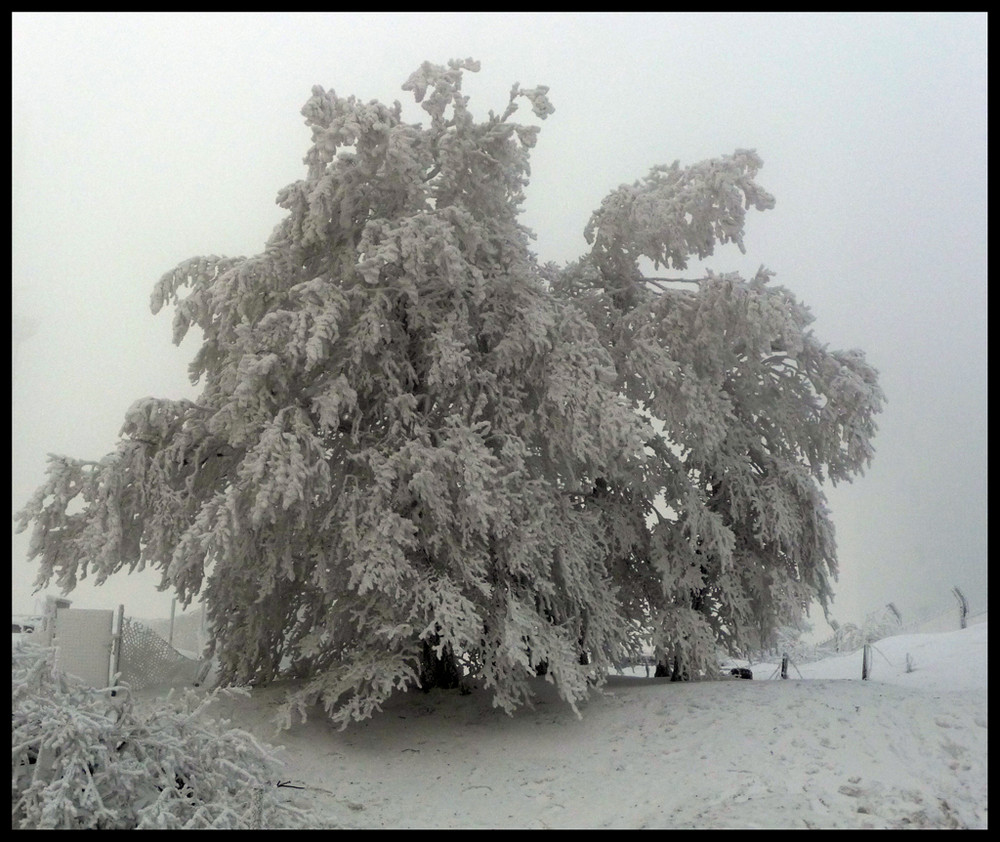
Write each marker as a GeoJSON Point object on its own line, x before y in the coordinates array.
{"type": "Point", "coordinates": [84, 758]}
{"type": "Point", "coordinates": [849, 637]}
{"type": "Point", "coordinates": [788, 641]}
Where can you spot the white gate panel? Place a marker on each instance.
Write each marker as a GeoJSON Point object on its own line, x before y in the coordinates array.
{"type": "Point", "coordinates": [83, 644]}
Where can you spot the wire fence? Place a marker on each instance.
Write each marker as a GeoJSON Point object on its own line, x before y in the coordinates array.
{"type": "Point", "coordinates": [889, 622]}
{"type": "Point", "coordinates": [147, 660]}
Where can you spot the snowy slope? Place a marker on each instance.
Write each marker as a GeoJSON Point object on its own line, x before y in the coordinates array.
{"type": "Point", "coordinates": [905, 749]}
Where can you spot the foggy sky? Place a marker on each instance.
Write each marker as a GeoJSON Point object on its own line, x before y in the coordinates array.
{"type": "Point", "coordinates": [141, 140]}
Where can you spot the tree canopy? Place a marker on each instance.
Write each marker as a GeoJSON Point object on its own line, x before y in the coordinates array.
{"type": "Point", "coordinates": [420, 453]}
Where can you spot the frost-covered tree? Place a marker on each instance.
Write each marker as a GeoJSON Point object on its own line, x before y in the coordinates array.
{"type": "Point", "coordinates": [378, 478]}
{"type": "Point", "coordinates": [417, 450]}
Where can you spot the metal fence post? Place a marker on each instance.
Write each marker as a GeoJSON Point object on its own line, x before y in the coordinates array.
{"type": "Point", "coordinates": [963, 605]}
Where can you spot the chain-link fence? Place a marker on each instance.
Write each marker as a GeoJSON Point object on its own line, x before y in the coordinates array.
{"type": "Point", "coordinates": [147, 660]}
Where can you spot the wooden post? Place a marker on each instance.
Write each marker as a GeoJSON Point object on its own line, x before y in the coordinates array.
{"type": "Point", "coordinates": [202, 631]}
{"type": "Point", "coordinates": [257, 808]}
{"type": "Point", "coordinates": [173, 607]}
{"type": "Point", "coordinates": [784, 666]}
{"type": "Point", "coordinates": [866, 662]}
{"type": "Point", "coordinates": [116, 644]}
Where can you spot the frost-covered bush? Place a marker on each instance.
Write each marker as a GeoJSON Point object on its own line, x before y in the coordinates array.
{"type": "Point", "coordinates": [788, 641]}
{"type": "Point", "coordinates": [849, 637]}
{"type": "Point", "coordinates": [84, 758]}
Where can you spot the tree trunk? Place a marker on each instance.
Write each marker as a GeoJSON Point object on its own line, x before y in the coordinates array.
{"type": "Point", "coordinates": [680, 673]}
{"type": "Point", "coordinates": [436, 671]}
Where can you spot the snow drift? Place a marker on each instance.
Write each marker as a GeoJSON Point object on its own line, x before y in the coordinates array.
{"type": "Point", "coordinates": [906, 749]}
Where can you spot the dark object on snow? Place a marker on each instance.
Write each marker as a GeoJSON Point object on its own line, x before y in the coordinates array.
{"type": "Point", "coordinates": [741, 672]}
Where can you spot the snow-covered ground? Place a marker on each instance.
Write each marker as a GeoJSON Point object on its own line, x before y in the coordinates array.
{"type": "Point", "coordinates": [824, 750]}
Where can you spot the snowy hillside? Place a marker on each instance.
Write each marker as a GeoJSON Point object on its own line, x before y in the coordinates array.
{"type": "Point", "coordinates": [827, 750]}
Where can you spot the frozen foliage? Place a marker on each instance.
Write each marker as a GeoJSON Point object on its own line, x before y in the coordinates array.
{"type": "Point", "coordinates": [84, 758]}
{"type": "Point", "coordinates": [416, 446]}
{"type": "Point", "coordinates": [728, 538]}
{"type": "Point", "coordinates": [877, 625]}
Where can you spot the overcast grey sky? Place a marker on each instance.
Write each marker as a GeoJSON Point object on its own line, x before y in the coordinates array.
{"type": "Point", "coordinates": [141, 140]}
